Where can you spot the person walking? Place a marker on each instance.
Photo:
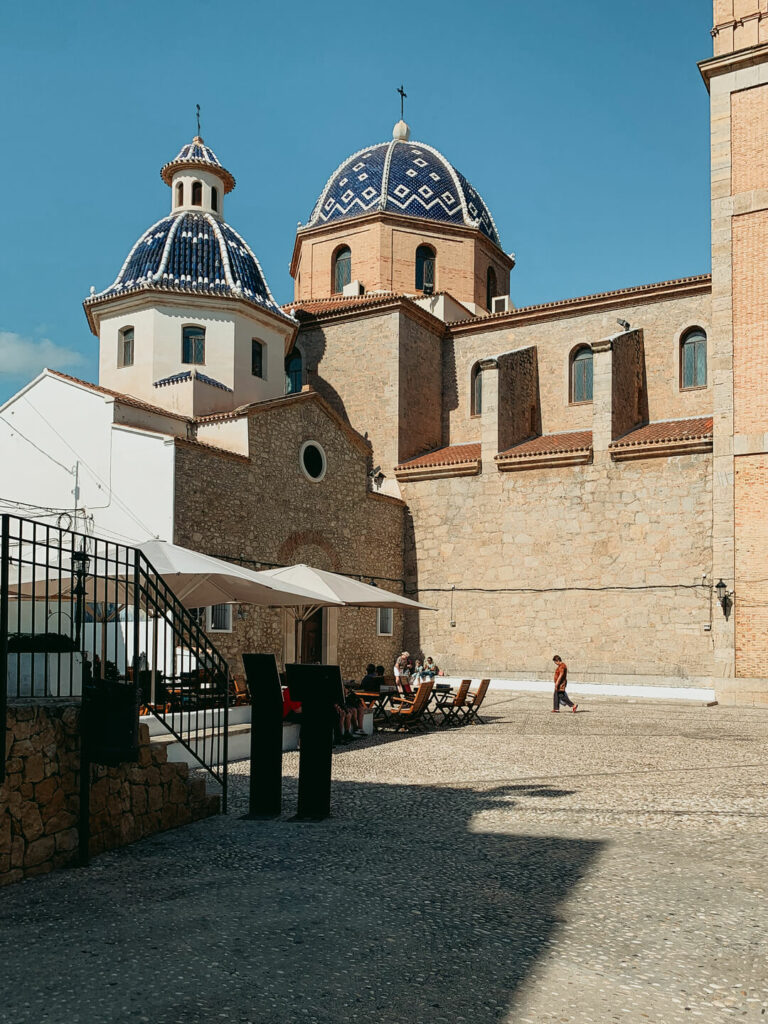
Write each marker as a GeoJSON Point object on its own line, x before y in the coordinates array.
{"type": "Point", "coordinates": [561, 681]}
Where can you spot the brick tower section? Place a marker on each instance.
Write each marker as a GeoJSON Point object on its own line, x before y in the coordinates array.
{"type": "Point", "coordinates": [737, 79]}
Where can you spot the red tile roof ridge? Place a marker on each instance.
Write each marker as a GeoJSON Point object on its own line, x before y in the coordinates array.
{"type": "Point", "coordinates": [448, 455]}
{"type": "Point", "coordinates": [557, 303]}
{"type": "Point", "coordinates": [119, 396]}
{"type": "Point", "coordinates": [550, 444]}
{"type": "Point", "coordinates": [662, 431]}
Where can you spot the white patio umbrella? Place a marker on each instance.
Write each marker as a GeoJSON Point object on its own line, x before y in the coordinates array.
{"type": "Point", "coordinates": [334, 589]}
{"type": "Point", "coordinates": [199, 580]}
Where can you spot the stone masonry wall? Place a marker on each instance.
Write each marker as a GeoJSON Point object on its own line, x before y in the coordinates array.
{"type": "Point", "coordinates": [518, 416]}
{"type": "Point", "coordinates": [420, 371]}
{"type": "Point", "coordinates": [264, 512]}
{"type": "Point", "coordinates": [40, 797]}
{"type": "Point", "coordinates": [629, 404]}
{"type": "Point", "coordinates": [662, 322]}
{"type": "Point", "coordinates": [751, 589]}
{"type": "Point", "coordinates": [611, 527]}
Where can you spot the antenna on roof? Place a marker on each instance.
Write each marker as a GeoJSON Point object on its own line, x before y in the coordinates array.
{"type": "Point", "coordinates": [197, 106]}
{"type": "Point", "coordinates": [403, 97]}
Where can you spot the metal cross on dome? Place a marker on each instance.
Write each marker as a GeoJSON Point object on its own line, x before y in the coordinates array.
{"type": "Point", "coordinates": [403, 96]}
{"type": "Point", "coordinates": [197, 106]}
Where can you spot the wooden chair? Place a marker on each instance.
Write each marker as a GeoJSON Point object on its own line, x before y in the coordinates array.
{"type": "Point", "coordinates": [410, 714]}
{"type": "Point", "coordinates": [474, 700]}
{"type": "Point", "coordinates": [452, 711]}
{"type": "Point", "coordinates": [241, 694]}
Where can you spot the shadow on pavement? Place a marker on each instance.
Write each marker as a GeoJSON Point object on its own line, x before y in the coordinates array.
{"type": "Point", "coordinates": [404, 907]}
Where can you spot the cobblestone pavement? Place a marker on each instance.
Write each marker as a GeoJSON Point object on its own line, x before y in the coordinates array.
{"type": "Point", "coordinates": [604, 866]}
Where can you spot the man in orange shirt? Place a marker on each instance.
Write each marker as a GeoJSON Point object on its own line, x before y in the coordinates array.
{"type": "Point", "coordinates": [561, 681]}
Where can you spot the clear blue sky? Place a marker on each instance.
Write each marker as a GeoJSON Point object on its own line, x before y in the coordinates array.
{"type": "Point", "coordinates": [584, 126]}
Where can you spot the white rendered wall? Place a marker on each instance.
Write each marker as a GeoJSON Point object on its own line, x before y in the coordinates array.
{"type": "Point", "coordinates": [158, 332]}
{"type": "Point", "coordinates": [208, 181]}
{"type": "Point", "coordinates": [125, 476]}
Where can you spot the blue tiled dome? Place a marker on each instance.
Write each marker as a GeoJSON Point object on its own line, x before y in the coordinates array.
{"type": "Point", "coordinates": [402, 177]}
{"type": "Point", "coordinates": [194, 253]}
{"type": "Point", "coordinates": [197, 154]}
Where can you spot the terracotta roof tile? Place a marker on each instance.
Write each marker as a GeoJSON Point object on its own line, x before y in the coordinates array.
{"type": "Point", "coordinates": [666, 431]}
{"type": "Point", "coordinates": [452, 455]}
{"type": "Point", "coordinates": [550, 444]}
{"type": "Point", "coordinates": [337, 303]}
{"type": "Point", "coordinates": [135, 403]}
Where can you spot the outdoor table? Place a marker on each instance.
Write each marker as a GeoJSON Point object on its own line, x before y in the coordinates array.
{"type": "Point", "coordinates": [439, 699]}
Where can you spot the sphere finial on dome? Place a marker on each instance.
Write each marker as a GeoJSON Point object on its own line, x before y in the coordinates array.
{"type": "Point", "coordinates": [401, 132]}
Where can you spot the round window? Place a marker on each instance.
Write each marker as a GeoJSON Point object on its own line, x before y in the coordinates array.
{"type": "Point", "coordinates": [312, 460]}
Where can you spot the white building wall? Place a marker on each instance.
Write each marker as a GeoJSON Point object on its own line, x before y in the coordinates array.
{"type": "Point", "coordinates": [53, 433]}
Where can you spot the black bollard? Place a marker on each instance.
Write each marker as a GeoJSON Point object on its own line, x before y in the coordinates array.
{"type": "Point", "coordinates": [265, 794]}
{"type": "Point", "coordinates": [319, 688]}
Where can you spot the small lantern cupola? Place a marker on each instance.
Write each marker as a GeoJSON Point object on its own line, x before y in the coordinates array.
{"type": "Point", "coordinates": [197, 180]}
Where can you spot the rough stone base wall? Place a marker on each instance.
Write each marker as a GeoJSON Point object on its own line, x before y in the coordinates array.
{"type": "Point", "coordinates": [40, 799]}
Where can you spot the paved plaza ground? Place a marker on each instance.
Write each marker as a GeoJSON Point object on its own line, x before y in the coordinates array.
{"type": "Point", "coordinates": [604, 866]}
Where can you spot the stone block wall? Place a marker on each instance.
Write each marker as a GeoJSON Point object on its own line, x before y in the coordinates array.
{"type": "Point", "coordinates": [264, 511]}
{"type": "Point", "coordinates": [419, 423]}
{"type": "Point", "coordinates": [601, 563]}
{"type": "Point", "coordinates": [518, 405]}
{"type": "Point", "coordinates": [629, 402]}
{"type": "Point", "coordinates": [555, 333]}
{"type": "Point", "coordinates": [40, 797]}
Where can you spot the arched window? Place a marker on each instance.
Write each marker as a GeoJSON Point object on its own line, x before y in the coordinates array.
{"type": "Point", "coordinates": [581, 375]}
{"type": "Point", "coordinates": [293, 373]}
{"type": "Point", "coordinates": [180, 194]}
{"type": "Point", "coordinates": [197, 193]}
{"type": "Point", "coordinates": [257, 358]}
{"type": "Point", "coordinates": [693, 359]}
{"type": "Point", "coordinates": [125, 347]}
{"type": "Point", "coordinates": [476, 384]}
{"type": "Point", "coordinates": [342, 269]}
{"type": "Point", "coordinates": [425, 269]}
{"type": "Point", "coordinates": [193, 345]}
{"type": "Point", "coordinates": [214, 198]}
{"type": "Point", "coordinates": [491, 287]}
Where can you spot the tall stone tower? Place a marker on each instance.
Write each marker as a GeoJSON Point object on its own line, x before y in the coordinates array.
{"type": "Point", "coordinates": [737, 79]}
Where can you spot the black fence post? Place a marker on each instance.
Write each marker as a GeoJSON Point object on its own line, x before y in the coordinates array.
{"type": "Point", "coordinates": [84, 818]}
{"type": "Point", "coordinates": [319, 688]}
{"type": "Point", "coordinates": [265, 793]}
{"type": "Point", "coordinates": [5, 554]}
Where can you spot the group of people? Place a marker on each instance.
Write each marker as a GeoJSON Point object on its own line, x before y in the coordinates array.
{"type": "Point", "coordinates": [409, 673]}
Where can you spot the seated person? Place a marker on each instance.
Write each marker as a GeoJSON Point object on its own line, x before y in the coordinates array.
{"type": "Point", "coordinates": [291, 708]}
{"type": "Point", "coordinates": [418, 672]}
{"type": "Point", "coordinates": [371, 682]}
{"type": "Point", "coordinates": [350, 716]}
{"type": "Point", "coordinates": [430, 669]}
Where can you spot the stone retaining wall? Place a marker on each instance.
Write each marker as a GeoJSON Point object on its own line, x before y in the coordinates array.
{"type": "Point", "coordinates": [39, 799]}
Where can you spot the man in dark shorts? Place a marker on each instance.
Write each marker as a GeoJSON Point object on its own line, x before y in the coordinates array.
{"type": "Point", "coordinates": [561, 681]}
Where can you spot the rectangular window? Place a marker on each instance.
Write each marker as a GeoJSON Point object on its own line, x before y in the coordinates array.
{"type": "Point", "coordinates": [193, 346]}
{"type": "Point", "coordinates": [257, 358]}
{"type": "Point", "coordinates": [384, 620]}
{"type": "Point", "coordinates": [220, 618]}
{"type": "Point", "coordinates": [125, 347]}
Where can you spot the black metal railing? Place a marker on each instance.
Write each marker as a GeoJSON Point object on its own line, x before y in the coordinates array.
{"type": "Point", "coordinates": [80, 614]}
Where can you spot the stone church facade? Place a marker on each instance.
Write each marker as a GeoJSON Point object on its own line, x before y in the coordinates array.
{"type": "Point", "coordinates": [577, 476]}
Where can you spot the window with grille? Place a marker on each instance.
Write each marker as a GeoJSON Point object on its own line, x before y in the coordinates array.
{"type": "Point", "coordinates": [693, 359]}
{"type": "Point", "coordinates": [193, 345]}
{"type": "Point", "coordinates": [293, 373]}
{"type": "Point", "coordinates": [342, 269]}
{"type": "Point", "coordinates": [384, 622]}
{"type": "Point", "coordinates": [581, 375]}
{"type": "Point", "coordinates": [125, 347]}
{"type": "Point", "coordinates": [220, 618]}
{"type": "Point", "coordinates": [257, 358]}
{"type": "Point", "coordinates": [425, 268]}
{"type": "Point", "coordinates": [477, 390]}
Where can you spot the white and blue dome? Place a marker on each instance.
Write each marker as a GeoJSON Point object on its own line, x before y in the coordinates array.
{"type": "Point", "coordinates": [403, 177]}
{"type": "Point", "coordinates": [193, 251]}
